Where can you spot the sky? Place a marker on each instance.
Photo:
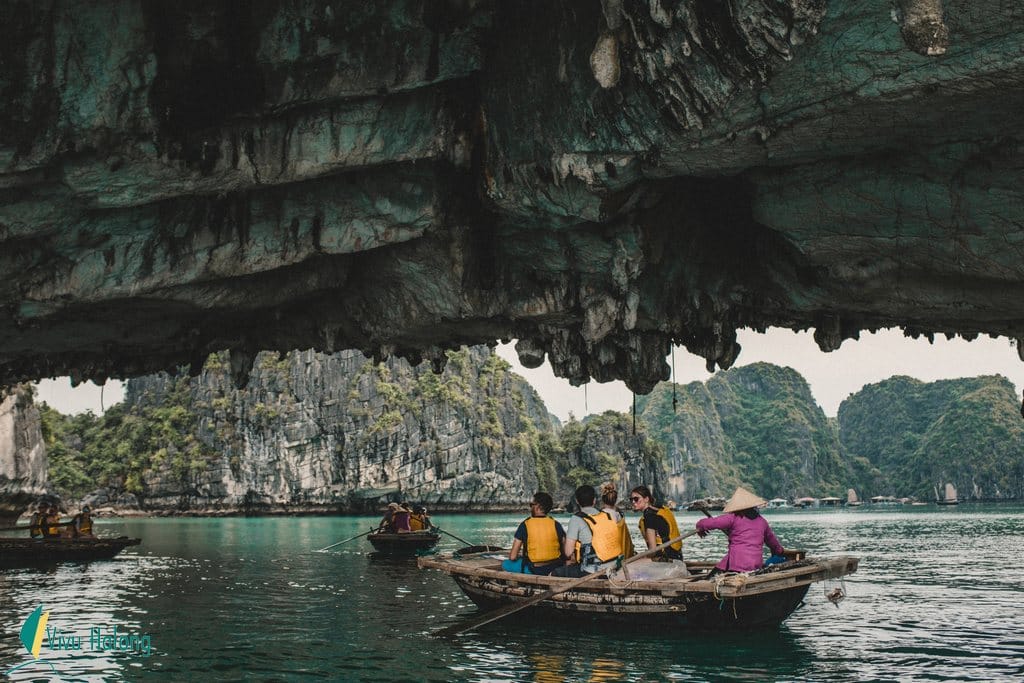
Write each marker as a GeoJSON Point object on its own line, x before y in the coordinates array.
{"type": "Point", "coordinates": [831, 376]}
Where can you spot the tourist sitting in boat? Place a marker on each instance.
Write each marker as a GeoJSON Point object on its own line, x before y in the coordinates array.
{"type": "Point", "coordinates": [657, 525]}
{"type": "Point", "coordinates": [419, 520]}
{"type": "Point", "coordinates": [592, 541]}
{"type": "Point", "coordinates": [395, 520]}
{"type": "Point", "coordinates": [81, 524]}
{"type": "Point", "coordinates": [51, 528]}
{"type": "Point", "coordinates": [747, 530]}
{"type": "Point", "coordinates": [36, 525]}
{"type": "Point", "coordinates": [609, 504]}
{"type": "Point", "coordinates": [537, 543]}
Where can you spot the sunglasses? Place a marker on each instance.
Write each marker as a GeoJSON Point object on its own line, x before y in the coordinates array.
{"type": "Point", "coordinates": [635, 499]}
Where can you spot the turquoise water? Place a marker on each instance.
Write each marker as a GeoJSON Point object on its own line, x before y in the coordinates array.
{"type": "Point", "coordinates": [939, 596]}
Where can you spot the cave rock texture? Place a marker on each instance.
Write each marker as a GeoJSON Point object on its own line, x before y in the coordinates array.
{"type": "Point", "coordinates": [595, 178]}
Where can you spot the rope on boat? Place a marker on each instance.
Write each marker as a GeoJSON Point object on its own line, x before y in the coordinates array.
{"type": "Point", "coordinates": [733, 580]}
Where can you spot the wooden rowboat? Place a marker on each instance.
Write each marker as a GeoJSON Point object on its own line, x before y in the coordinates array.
{"type": "Point", "coordinates": [31, 552]}
{"type": "Point", "coordinates": [748, 600]}
{"type": "Point", "coordinates": [405, 544]}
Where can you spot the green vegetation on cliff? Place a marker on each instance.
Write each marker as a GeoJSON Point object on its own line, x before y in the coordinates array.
{"type": "Point", "coordinates": [756, 425]}
{"type": "Point", "coordinates": [118, 449]}
{"type": "Point", "coordinates": [917, 436]}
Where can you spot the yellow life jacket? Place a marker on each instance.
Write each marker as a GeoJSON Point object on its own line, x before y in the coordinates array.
{"type": "Point", "coordinates": [35, 528]}
{"type": "Point", "coordinates": [84, 525]}
{"type": "Point", "coordinates": [53, 525]}
{"type": "Point", "coordinates": [417, 522]}
{"type": "Point", "coordinates": [606, 539]}
{"type": "Point", "coordinates": [542, 543]}
{"type": "Point", "coordinates": [673, 528]}
{"type": "Point", "coordinates": [626, 539]}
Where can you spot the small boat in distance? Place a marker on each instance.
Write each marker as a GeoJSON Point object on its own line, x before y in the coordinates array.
{"type": "Point", "coordinates": [406, 544]}
{"type": "Point", "coordinates": [805, 502]}
{"type": "Point", "coordinates": [759, 599]}
{"type": "Point", "coordinates": [829, 502]}
{"type": "Point", "coordinates": [851, 499]}
{"type": "Point", "coordinates": [885, 500]}
{"type": "Point", "coordinates": [777, 503]}
{"type": "Point", "coordinates": [33, 552]}
{"type": "Point", "coordinates": [712, 503]}
{"type": "Point", "coordinates": [948, 497]}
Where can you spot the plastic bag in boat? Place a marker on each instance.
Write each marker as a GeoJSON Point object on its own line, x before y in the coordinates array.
{"type": "Point", "coordinates": [648, 570]}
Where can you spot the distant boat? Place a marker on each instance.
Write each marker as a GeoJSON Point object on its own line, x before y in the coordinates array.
{"type": "Point", "coordinates": [851, 499]}
{"type": "Point", "coordinates": [885, 500]}
{"type": "Point", "coordinates": [403, 544]}
{"type": "Point", "coordinates": [829, 502]}
{"type": "Point", "coordinates": [713, 503]}
{"type": "Point", "coordinates": [805, 502]}
{"type": "Point", "coordinates": [778, 503]}
{"type": "Point", "coordinates": [949, 497]}
{"type": "Point", "coordinates": [31, 552]}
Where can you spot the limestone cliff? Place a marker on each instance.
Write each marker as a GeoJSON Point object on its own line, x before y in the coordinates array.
{"type": "Point", "coordinates": [22, 454]}
{"type": "Point", "coordinates": [757, 425]}
{"type": "Point", "coordinates": [917, 436]}
{"type": "Point", "coordinates": [317, 432]}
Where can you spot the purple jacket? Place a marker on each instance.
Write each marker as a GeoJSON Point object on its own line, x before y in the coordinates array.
{"type": "Point", "coordinates": [746, 536]}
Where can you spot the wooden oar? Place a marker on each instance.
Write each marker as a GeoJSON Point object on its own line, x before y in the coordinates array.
{"type": "Point", "coordinates": [333, 545]}
{"type": "Point", "coordinates": [511, 609]}
{"type": "Point", "coordinates": [461, 540]}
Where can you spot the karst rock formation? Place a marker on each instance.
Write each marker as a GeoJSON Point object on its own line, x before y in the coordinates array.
{"type": "Point", "coordinates": [597, 179]}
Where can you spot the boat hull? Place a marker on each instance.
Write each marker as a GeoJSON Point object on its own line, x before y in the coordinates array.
{"type": "Point", "coordinates": [407, 544]}
{"type": "Point", "coordinates": [734, 601]}
{"type": "Point", "coordinates": [29, 552]}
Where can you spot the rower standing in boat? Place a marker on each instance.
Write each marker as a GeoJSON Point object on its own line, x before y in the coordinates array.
{"type": "Point", "coordinates": [592, 541]}
{"type": "Point", "coordinates": [36, 525]}
{"type": "Point", "coordinates": [81, 524]}
{"type": "Point", "coordinates": [747, 530]}
{"type": "Point", "coordinates": [539, 538]}
{"type": "Point", "coordinates": [657, 525]}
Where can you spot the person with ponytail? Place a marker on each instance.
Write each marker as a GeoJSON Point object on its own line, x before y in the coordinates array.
{"type": "Point", "coordinates": [609, 500]}
{"type": "Point", "coordinates": [657, 524]}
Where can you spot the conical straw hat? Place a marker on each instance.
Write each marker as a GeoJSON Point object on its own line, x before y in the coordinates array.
{"type": "Point", "coordinates": [743, 499]}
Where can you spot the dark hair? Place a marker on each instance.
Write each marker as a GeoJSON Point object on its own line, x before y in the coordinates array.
{"type": "Point", "coordinates": [586, 495]}
{"type": "Point", "coordinates": [644, 491]}
{"type": "Point", "coordinates": [609, 496]}
{"type": "Point", "coordinates": [544, 500]}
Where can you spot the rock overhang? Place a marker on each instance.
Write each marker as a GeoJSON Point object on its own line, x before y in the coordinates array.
{"type": "Point", "coordinates": [598, 180]}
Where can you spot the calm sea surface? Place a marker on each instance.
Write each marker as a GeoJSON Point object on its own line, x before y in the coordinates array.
{"type": "Point", "coordinates": [939, 596]}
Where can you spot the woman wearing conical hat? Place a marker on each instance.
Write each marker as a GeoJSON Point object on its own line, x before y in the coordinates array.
{"type": "Point", "coordinates": [747, 530]}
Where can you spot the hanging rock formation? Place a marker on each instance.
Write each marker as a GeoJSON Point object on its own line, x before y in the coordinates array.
{"type": "Point", "coordinates": [595, 179]}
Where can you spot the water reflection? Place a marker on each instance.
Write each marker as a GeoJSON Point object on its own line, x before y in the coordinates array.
{"type": "Point", "coordinates": [247, 599]}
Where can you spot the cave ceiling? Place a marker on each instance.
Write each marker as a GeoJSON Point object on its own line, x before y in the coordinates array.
{"type": "Point", "coordinates": [598, 180]}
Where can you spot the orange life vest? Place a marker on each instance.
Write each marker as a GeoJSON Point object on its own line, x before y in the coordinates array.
{"type": "Point", "coordinates": [417, 522]}
{"type": "Point", "coordinates": [35, 529]}
{"type": "Point", "coordinates": [626, 539]}
{"type": "Point", "coordinates": [542, 543]}
{"type": "Point", "coordinates": [605, 537]}
{"type": "Point", "coordinates": [673, 528]}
